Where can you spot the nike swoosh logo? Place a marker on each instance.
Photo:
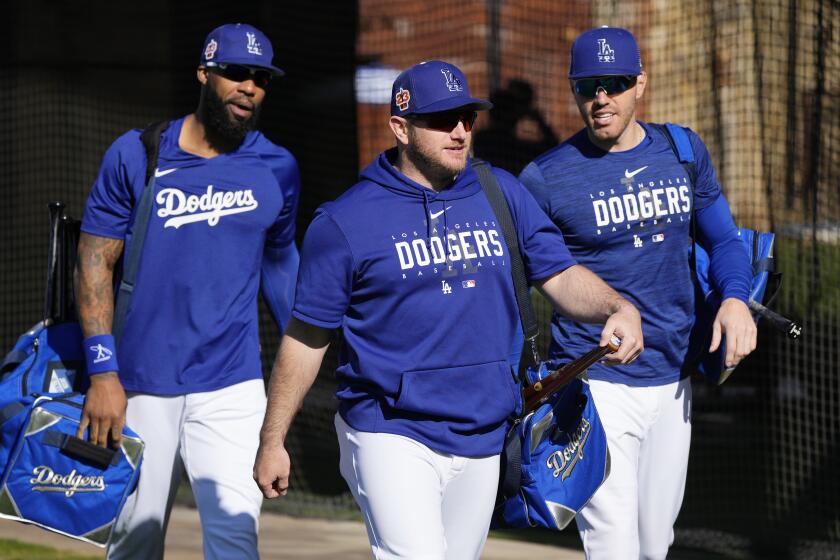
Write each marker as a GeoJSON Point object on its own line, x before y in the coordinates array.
{"type": "Point", "coordinates": [159, 173]}
{"type": "Point", "coordinates": [631, 174]}
{"type": "Point", "coordinates": [434, 215]}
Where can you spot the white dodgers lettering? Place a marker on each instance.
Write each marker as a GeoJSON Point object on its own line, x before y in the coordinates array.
{"type": "Point", "coordinates": [644, 204]}
{"type": "Point", "coordinates": [209, 207]}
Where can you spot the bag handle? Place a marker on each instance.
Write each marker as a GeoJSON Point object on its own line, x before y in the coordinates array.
{"type": "Point", "coordinates": [500, 207]}
{"type": "Point", "coordinates": [101, 457]}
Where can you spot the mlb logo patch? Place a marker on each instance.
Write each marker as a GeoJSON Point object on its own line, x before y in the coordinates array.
{"type": "Point", "coordinates": [468, 283]}
{"type": "Point", "coordinates": [658, 237]}
{"type": "Point", "coordinates": [402, 98]}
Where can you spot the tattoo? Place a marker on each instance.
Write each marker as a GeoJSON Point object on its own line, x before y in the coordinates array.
{"type": "Point", "coordinates": [95, 290]}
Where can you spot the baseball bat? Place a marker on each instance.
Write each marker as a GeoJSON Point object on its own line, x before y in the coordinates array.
{"type": "Point", "coordinates": [792, 329]}
{"type": "Point", "coordinates": [50, 292]}
{"type": "Point", "coordinates": [536, 394]}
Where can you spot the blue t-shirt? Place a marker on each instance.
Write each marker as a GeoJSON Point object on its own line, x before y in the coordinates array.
{"type": "Point", "coordinates": [626, 216]}
{"type": "Point", "coordinates": [192, 324]}
{"type": "Point", "coordinates": [420, 284]}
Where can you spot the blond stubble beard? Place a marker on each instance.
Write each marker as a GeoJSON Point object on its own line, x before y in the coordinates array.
{"type": "Point", "coordinates": [427, 164]}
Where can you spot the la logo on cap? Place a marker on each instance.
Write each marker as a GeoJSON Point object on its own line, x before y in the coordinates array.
{"type": "Point", "coordinates": [453, 83]}
{"type": "Point", "coordinates": [253, 46]}
{"type": "Point", "coordinates": [605, 52]}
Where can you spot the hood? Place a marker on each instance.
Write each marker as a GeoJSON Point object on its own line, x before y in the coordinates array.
{"type": "Point", "coordinates": [383, 173]}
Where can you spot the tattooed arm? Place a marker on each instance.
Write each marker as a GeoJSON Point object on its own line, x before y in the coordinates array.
{"type": "Point", "coordinates": [105, 401]}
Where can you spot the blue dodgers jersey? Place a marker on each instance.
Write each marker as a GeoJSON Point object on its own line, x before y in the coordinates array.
{"type": "Point", "coordinates": [626, 216]}
{"type": "Point", "coordinates": [193, 323]}
{"type": "Point", "coordinates": [420, 284]}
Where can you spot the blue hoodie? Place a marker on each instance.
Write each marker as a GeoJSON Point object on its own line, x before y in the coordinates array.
{"type": "Point", "coordinates": [420, 284]}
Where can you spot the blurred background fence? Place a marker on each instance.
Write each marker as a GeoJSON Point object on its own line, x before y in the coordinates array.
{"type": "Point", "coordinates": [757, 79]}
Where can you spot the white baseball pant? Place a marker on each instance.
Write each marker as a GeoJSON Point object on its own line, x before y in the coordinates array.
{"type": "Point", "coordinates": [649, 432]}
{"type": "Point", "coordinates": [418, 503]}
{"type": "Point", "coordinates": [215, 436]}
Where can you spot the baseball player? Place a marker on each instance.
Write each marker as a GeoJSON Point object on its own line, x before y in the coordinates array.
{"type": "Point", "coordinates": [624, 203]}
{"type": "Point", "coordinates": [412, 266]}
{"type": "Point", "coordinates": [188, 362]}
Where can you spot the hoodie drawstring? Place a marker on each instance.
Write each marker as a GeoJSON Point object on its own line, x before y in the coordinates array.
{"type": "Point", "coordinates": [428, 220]}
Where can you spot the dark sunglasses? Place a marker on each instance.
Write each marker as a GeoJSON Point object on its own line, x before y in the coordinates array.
{"type": "Point", "coordinates": [588, 87]}
{"type": "Point", "coordinates": [445, 122]}
{"type": "Point", "coordinates": [240, 73]}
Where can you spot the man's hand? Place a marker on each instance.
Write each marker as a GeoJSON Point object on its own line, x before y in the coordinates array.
{"type": "Point", "coordinates": [626, 323]}
{"type": "Point", "coordinates": [271, 470]}
{"type": "Point", "coordinates": [104, 410]}
{"type": "Point", "coordinates": [735, 321]}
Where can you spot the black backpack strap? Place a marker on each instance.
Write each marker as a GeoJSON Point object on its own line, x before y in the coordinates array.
{"type": "Point", "coordinates": [150, 137]}
{"type": "Point", "coordinates": [500, 207]}
{"type": "Point", "coordinates": [510, 479]}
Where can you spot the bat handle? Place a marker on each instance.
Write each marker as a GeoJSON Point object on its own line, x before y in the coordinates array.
{"type": "Point", "coordinates": [614, 343]}
{"type": "Point", "coordinates": [792, 329]}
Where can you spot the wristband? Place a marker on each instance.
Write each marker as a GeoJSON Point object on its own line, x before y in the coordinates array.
{"type": "Point", "coordinates": [100, 354]}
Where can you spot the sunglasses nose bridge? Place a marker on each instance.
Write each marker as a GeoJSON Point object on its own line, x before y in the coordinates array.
{"type": "Point", "coordinates": [600, 89]}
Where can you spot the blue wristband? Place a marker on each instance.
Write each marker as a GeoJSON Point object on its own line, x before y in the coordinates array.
{"type": "Point", "coordinates": [100, 354]}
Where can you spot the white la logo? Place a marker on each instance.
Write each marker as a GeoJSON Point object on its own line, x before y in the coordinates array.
{"type": "Point", "coordinates": [253, 46]}
{"type": "Point", "coordinates": [446, 288]}
{"type": "Point", "coordinates": [605, 52]}
{"type": "Point", "coordinates": [637, 241]}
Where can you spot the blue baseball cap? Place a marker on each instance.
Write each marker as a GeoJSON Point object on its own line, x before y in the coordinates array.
{"type": "Point", "coordinates": [605, 51]}
{"type": "Point", "coordinates": [431, 87]}
{"type": "Point", "coordinates": [238, 43]}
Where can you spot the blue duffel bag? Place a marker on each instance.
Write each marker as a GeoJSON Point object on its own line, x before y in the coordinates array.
{"type": "Point", "coordinates": [57, 481]}
{"type": "Point", "coordinates": [711, 365]}
{"type": "Point", "coordinates": [555, 459]}
{"type": "Point", "coordinates": [46, 359]}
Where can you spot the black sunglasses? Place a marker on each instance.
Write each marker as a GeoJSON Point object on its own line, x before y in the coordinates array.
{"type": "Point", "coordinates": [588, 87]}
{"type": "Point", "coordinates": [445, 121]}
{"type": "Point", "coordinates": [240, 73]}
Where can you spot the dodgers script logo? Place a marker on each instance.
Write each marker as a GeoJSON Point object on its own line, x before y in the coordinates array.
{"type": "Point", "coordinates": [209, 207]}
{"type": "Point", "coordinates": [605, 52]}
{"type": "Point", "coordinates": [453, 83]}
{"type": "Point", "coordinates": [565, 461]}
{"type": "Point", "coordinates": [47, 480]}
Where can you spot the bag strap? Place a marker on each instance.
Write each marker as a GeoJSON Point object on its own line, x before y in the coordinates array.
{"type": "Point", "coordinates": [681, 146]}
{"type": "Point", "coordinates": [490, 186]}
{"type": "Point", "coordinates": [150, 137]}
{"type": "Point", "coordinates": [511, 476]}
{"type": "Point", "coordinates": [12, 360]}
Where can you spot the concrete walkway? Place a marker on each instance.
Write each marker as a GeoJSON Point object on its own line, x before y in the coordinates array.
{"type": "Point", "coordinates": [281, 537]}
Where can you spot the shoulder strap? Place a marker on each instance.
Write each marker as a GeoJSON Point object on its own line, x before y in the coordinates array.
{"type": "Point", "coordinates": [681, 145]}
{"type": "Point", "coordinates": [500, 207]}
{"type": "Point", "coordinates": [150, 137]}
